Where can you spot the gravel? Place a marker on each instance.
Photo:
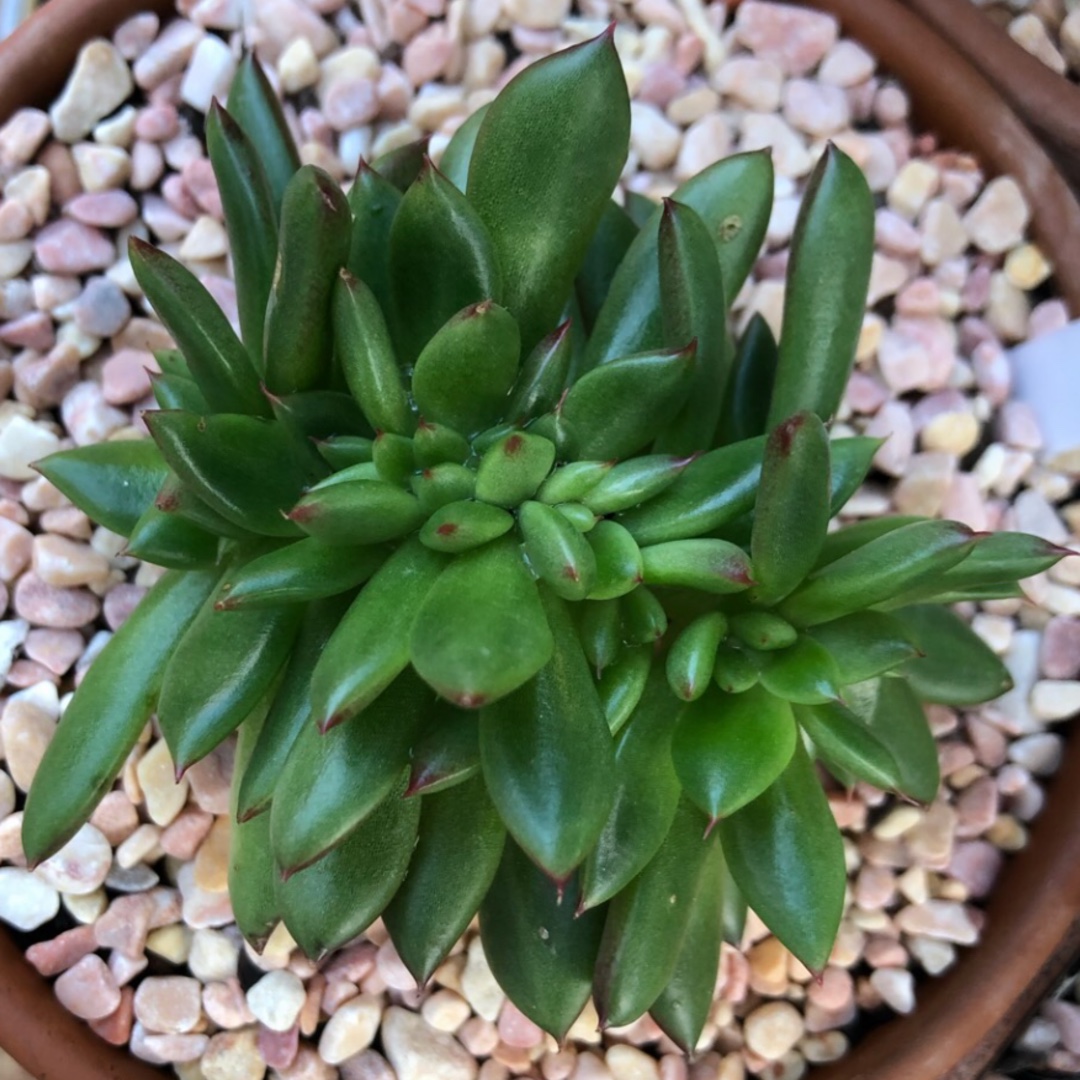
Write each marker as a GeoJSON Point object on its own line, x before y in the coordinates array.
{"type": "Point", "coordinates": [956, 280]}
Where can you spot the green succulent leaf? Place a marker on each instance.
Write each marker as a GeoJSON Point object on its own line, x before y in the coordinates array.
{"type": "Point", "coordinates": [543, 376]}
{"type": "Point", "coordinates": [468, 367]}
{"type": "Point", "coordinates": [446, 751]}
{"type": "Point", "coordinates": [332, 901]}
{"type": "Point", "coordinates": [481, 631]}
{"type": "Point", "coordinates": [370, 647]}
{"type": "Point", "coordinates": [622, 685]}
{"type": "Point", "coordinates": [791, 514]}
{"type": "Point", "coordinates": [443, 891]}
{"type": "Point", "coordinates": [456, 158]}
{"type": "Point", "coordinates": [845, 743]}
{"type": "Point", "coordinates": [219, 363]}
{"type": "Point", "coordinates": [250, 219]}
{"type": "Point", "coordinates": [437, 444]}
{"type": "Point", "coordinates": [728, 748]}
{"type": "Point", "coordinates": [573, 481]}
{"type": "Point", "coordinates": [693, 309]}
{"type": "Point", "coordinates": [692, 658]}
{"type": "Point", "coordinates": [600, 631]}
{"type": "Point", "coordinates": [558, 554]}
{"type": "Point", "coordinates": [852, 460]}
{"type": "Point", "coordinates": [734, 199]}
{"type": "Point", "coordinates": [635, 481]}
{"type": "Point", "coordinates": [647, 922]}
{"type": "Point", "coordinates": [547, 755]}
{"type": "Point", "coordinates": [614, 234]}
{"type": "Point", "coordinates": [783, 848]}
{"type": "Point", "coordinates": [644, 619]}
{"type": "Point", "coordinates": [319, 415]}
{"type": "Point", "coordinates": [403, 165]}
{"type": "Point", "coordinates": [513, 468]}
{"type": "Point", "coordinates": [442, 259]}
{"type": "Point", "coordinates": [254, 106]}
{"type": "Point", "coordinates": [172, 541]}
{"type": "Point", "coordinates": [750, 389]}
{"type": "Point", "coordinates": [178, 392]}
{"type": "Point", "coordinates": [288, 714]}
{"type": "Point", "coordinates": [212, 456]}
{"type": "Point", "coordinates": [358, 512]}
{"type": "Point", "coordinates": [646, 795]}
{"type": "Point", "coordinates": [865, 644]}
{"type": "Point", "coordinates": [374, 202]}
{"type": "Point", "coordinates": [104, 719]}
{"type": "Point", "coordinates": [712, 566]}
{"type": "Point", "coordinates": [957, 667]}
{"type": "Point", "coordinates": [546, 160]}
{"type": "Point", "coordinates": [851, 537]}
{"type": "Point", "coordinates": [823, 312]}
{"type": "Point", "coordinates": [541, 953]}
{"type": "Point", "coordinates": [443, 485]}
{"type": "Point", "coordinates": [331, 782]}
{"type": "Point", "coordinates": [464, 525]}
{"type": "Point", "coordinates": [763, 631]}
{"type": "Point", "coordinates": [175, 498]}
{"type": "Point", "coordinates": [114, 483]}
{"type": "Point", "coordinates": [737, 669]}
{"type": "Point", "coordinates": [804, 673]}
{"type": "Point", "coordinates": [619, 566]}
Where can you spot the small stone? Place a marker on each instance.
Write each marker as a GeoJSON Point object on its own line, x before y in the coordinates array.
{"type": "Point", "coordinates": [22, 135]}
{"type": "Point", "coordinates": [80, 866]}
{"type": "Point", "coordinates": [33, 188]}
{"type": "Point", "coordinates": [213, 956]}
{"type": "Point", "coordinates": [1040, 754]}
{"type": "Point", "coordinates": [1029, 32]}
{"type": "Point", "coordinates": [14, 258]}
{"type": "Point", "coordinates": [205, 240]}
{"type": "Point", "coordinates": [516, 1029]}
{"type": "Point", "coordinates": [887, 277]}
{"type": "Point", "coordinates": [976, 865]}
{"type": "Point", "coordinates": [816, 108]}
{"type": "Point", "coordinates": [914, 185]}
{"type": "Point", "coordinates": [944, 920]}
{"type": "Point", "coordinates": [537, 14]}
{"type": "Point", "coordinates": [176, 1049]}
{"type": "Point", "coordinates": [630, 1063]}
{"type": "Point", "coordinates": [23, 442]}
{"type": "Point", "coordinates": [706, 141]}
{"type": "Point", "coordinates": [847, 64]}
{"type": "Point", "coordinates": [164, 797]}
{"type": "Point", "coordinates": [773, 1029]}
{"type": "Point", "coordinates": [125, 925]}
{"type": "Point", "coordinates": [795, 39]}
{"type": "Point", "coordinates": [769, 967]}
{"type": "Point", "coordinates": [894, 424]}
{"type": "Point", "coordinates": [655, 138]}
{"type": "Point", "coordinates": [942, 233]}
{"type": "Point", "coordinates": [16, 221]}
{"type": "Point", "coordinates": [445, 1010]}
{"type": "Point", "coordinates": [115, 817]}
{"type": "Point", "coordinates": [1066, 1018]}
{"type": "Point", "coordinates": [61, 952]}
{"type": "Point", "coordinates": [233, 1055]}
{"type": "Point", "coordinates": [102, 310]}
{"type": "Point", "coordinates": [1055, 699]}
{"type": "Point", "coordinates": [226, 1005]}
{"type": "Point", "coordinates": [65, 563]}
{"type": "Point", "coordinates": [169, 1003]}
{"type": "Point", "coordinates": [88, 989]}
{"type": "Point", "coordinates": [25, 733]}
{"type": "Point", "coordinates": [999, 217]}
{"type": "Point", "coordinates": [168, 55]}
{"type": "Point", "coordinates": [208, 74]}
{"type": "Point", "coordinates": [418, 1052]}
{"type": "Point", "coordinates": [1026, 267]}
{"type": "Point", "coordinates": [760, 131]}
{"type": "Point", "coordinates": [276, 1000]}
{"type": "Point", "coordinates": [954, 433]}
{"type": "Point", "coordinates": [45, 605]}
{"type": "Point", "coordinates": [1059, 656]}
{"type": "Point", "coordinates": [427, 55]}
{"type": "Point", "coordinates": [101, 168]}
{"type": "Point", "coordinates": [69, 247]}
{"type": "Point", "coordinates": [896, 987]}
{"type": "Point", "coordinates": [925, 485]}
{"type": "Point", "coordinates": [756, 84]}
{"type": "Point", "coordinates": [212, 861]}
{"type": "Point", "coordinates": [298, 66]}
{"type": "Point", "coordinates": [351, 1029]}
{"type": "Point", "coordinates": [98, 85]}
{"type": "Point", "coordinates": [478, 985]}
{"type": "Point", "coordinates": [693, 105]}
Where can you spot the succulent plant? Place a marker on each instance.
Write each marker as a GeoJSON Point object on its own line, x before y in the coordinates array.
{"type": "Point", "coordinates": [514, 572]}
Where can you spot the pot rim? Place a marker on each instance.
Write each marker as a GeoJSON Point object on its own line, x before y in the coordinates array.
{"type": "Point", "coordinates": [1033, 926]}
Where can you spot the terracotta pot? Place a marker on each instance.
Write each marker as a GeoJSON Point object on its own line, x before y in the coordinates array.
{"type": "Point", "coordinates": [1033, 927]}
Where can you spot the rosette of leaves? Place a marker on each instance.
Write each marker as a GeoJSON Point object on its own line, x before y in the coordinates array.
{"type": "Point", "coordinates": [511, 567]}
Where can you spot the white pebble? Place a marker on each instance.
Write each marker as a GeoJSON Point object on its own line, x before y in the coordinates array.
{"type": "Point", "coordinates": [26, 902]}
{"type": "Point", "coordinates": [81, 865]}
{"type": "Point", "coordinates": [276, 1000]}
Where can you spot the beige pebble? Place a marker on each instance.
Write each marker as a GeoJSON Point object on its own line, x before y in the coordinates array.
{"type": "Point", "coordinates": [914, 185]}
{"type": "Point", "coordinates": [351, 1029]}
{"type": "Point", "coordinates": [1027, 267]}
{"type": "Point", "coordinates": [772, 1029]}
{"type": "Point", "coordinates": [99, 82]}
{"type": "Point", "coordinates": [445, 1010]}
{"type": "Point", "coordinates": [233, 1055]}
{"type": "Point", "coordinates": [165, 797]}
{"type": "Point", "coordinates": [418, 1052]}
{"type": "Point", "coordinates": [630, 1063]}
{"type": "Point", "coordinates": [997, 220]}
{"type": "Point", "coordinates": [25, 733]}
{"type": "Point", "coordinates": [169, 1003]}
{"type": "Point", "coordinates": [65, 564]}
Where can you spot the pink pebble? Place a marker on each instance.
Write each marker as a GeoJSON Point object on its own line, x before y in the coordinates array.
{"type": "Point", "coordinates": [977, 808]}
{"type": "Point", "coordinates": [199, 180]}
{"type": "Point", "coordinates": [183, 836]}
{"type": "Point", "coordinates": [120, 602]}
{"type": "Point", "coordinates": [103, 209]}
{"type": "Point", "coordinates": [1066, 1016]}
{"type": "Point", "coordinates": [61, 952]}
{"type": "Point", "coordinates": [31, 331]}
{"type": "Point", "coordinates": [88, 989]}
{"type": "Point", "coordinates": [116, 1027]}
{"type": "Point", "coordinates": [178, 197]}
{"type": "Point", "coordinates": [976, 865]}
{"type": "Point", "coordinates": [516, 1029]}
{"type": "Point", "coordinates": [115, 817]}
{"type": "Point", "coordinates": [125, 925]}
{"type": "Point", "coordinates": [834, 992]}
{"type": "Point", "coordinates": [157, 123]}
{"type": "Point", "coordinates": [1059, 657]}
{"type": "Point", "coordinates": [69, 247]}
{"type": "Point", "coordinates": [125, 376]}
{"type": "Point", "coordinates": [278, 1048]}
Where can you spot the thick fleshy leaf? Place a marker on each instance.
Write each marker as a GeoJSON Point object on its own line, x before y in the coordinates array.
{"type": "Point", "coordinates": [717, 488]}
{"type": "Point", "coordinates": [543, 376]}
{"type": "Point", "coordinates": [616, 409]}
{"type": "Point", "coordinates": [646, 796]}
{"type": "Point", "coordinates": [255, 107]}
{"type": "Point", "coordinates": [614, 234]}
{"type": "Point", "coordinates": [692, 658]}
{"type": "Point", "coordinates": [481, 631]}
{"type": "Point", "coordinates": [734, 198]}
{"type": "Point", "coordinates": [219, 363]}
{"type": "Point", "coordinates": [108, 713]}
{"type": "Point", "coordinates": [548, 756]}
{"type": "Point", "coordinates": [178, 392]}
{"type": "Point", "coordinates": [644, 620]}
{"type": "Point", "coordinates": [237, 655]}
{"type": "Point", "coordinates": [786, 856]}
{"type": "Point", "coordinates": [895, 715]}
{"type": "Point", "coordinates": [844, 742]}
{"type": "Point", "coordinates": [846, 540]}
{"type": "Point", "coordinates": [322, 415]}
{"type": "Point", "coordinates": [441, 260]}
{"type": "Point", "coordinates": [635, 481]}
{"type": "Point", "coordinates": [403, 165]}
{"type": "Point", "coordinates": [250, 218]}
{"type": "Point", "coordinates": [464, 525]}
{"type": "Point", "coordinates": [791, 514]}
{"type": "Point", "coordinates": [213, 456]}
{"type": "Point", "coordinates": [878, 570]}
{"type": "Point", "coordinates": [693, 309]}
{"type": "Point", "coordinates": [370, 647]}
{"type": "Point", "coordinates": [252, 874]}
{"type": "Point", "coordinates": [442, 485]}
{"type": "Point", "coordinates": [623, 684]}
{"type": "Point", "coordinates": [573, 481]}
{"type": "Point", "coordinates": [297, 573]}
{"type": "Point", "coordinates": [737, 669]}
{"type": "Point", "coordinates": [547, 157]}
{"type": "Point", "coordinates": [713, 566]}
{"type": "Point", "coordinates": [513, 468]}
{"type": "Point", "coordinates": [558, 554]}
{"type": "Point", "coordinates": [331, 902]}
{"type": "Point", "coordinates": [172, 541]}
{"type": "Point", "coordinates": [957, 667]}
{"type": "Point", "coordinates": [851, 462]}
{"type": "Point", "coordinates": [600, 631]}
{"type": "Point", "coordinates": [728, 748]}
{"type": "Point", "coordinates": [358, 512]}
{"type": "Point", "coordinates": [804, 673]}
{"type": "Point", "coordinates": [455, 160]}
{"type": "Point", "coordinates": [647, 922]}
{"type": "Point", "coordinates": [823, 312]}
{"type": "Point", "coordinates": [763, 631]}
{"type": "Point", "coordinates": [437, 444]}
{"type": "Point", "coordinates": [619, 566]}
{"type": "Point", "coordinates": [683, 1007]}
{"type": "Point", "coordinates": [374, 202]}
{"type": "Point", "coordinates": [540, 952]}
{"type": "Point", "coordinates": [749, 391]}
{"type": "Point", "coordinates": [316, 224]}
{"type": "Point", "coordinates": [442, 891]}
{"type": "Point", "coordinates": [367, 357]}
{"type": "Point", "coordinates": [290, 710]}
{"type": "Point", "coordinates": [331, 782]}
{"type": "Point", "coordinates": [446, 751]}
{"type": "Point", "coordinates": [175, 498]}
{"type": "Point", "coordinates": [114, 483]}
{"type": "Point", "coordinates": [865, 644]}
